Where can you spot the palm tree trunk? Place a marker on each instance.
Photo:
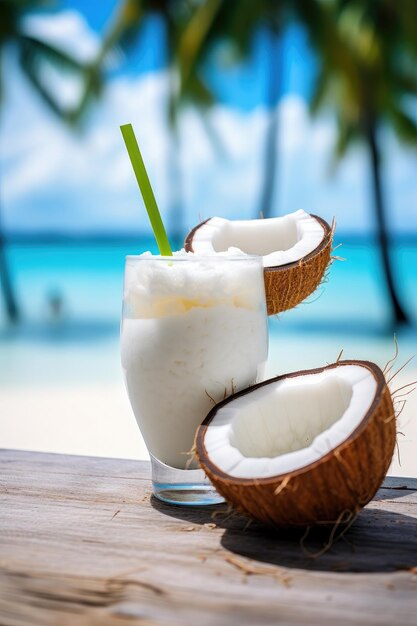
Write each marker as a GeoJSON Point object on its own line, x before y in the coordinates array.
{"type": "Point", "coordinates": [176, 206]}
{"type": "Point", "coordinates": [400, 317]}
{"type": "Point", "coordinates": [270, 164]}
{"type": "Point", "coordinates": [271, 148]}
{"type": "Point", "coordinates": [6, 288]}
{"type": "Point", "coordinates": [10, 302]}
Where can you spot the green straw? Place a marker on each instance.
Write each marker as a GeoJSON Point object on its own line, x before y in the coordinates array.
{"type": "Point", "coordinates": [146, 190]}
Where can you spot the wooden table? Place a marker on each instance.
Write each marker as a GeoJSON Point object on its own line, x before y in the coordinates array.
{"type": "Point", "coordinates": [82, 541]}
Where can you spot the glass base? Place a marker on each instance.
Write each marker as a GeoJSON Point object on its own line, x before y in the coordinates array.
{"type": "Point", "coordinates": [187, 495]}
{"type": "Point", "coordinates": [182, 487]}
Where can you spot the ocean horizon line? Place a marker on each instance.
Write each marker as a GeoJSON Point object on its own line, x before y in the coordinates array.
{"type": "Point", "coordinates": [84, 239]}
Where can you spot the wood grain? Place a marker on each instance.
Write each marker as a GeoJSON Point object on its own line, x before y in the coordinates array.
{"type": "Point", "coordinates": [83, 542]}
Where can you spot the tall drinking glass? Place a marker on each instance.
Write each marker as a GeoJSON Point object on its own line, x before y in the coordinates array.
{"type": "Point", "coordinates": [194, 331]}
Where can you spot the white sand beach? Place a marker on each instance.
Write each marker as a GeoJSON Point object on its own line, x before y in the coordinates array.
{"type": "Point", "coordinates": [93, 419]}
{"type": "Point", "coordinates": [96, 419]}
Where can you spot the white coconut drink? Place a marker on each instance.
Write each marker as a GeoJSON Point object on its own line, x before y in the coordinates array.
{"type": "Point", "coordinates": [194, 330]}
{"type": "Point", "coordinates": [306, 448]}
{"type": "Point", "coordinates": [295, 249]}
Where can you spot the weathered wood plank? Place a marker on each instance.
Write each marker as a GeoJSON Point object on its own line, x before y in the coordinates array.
{"type": "Point", "coordinates": [398, 482]}
{"type": "Point", "coordinates": [82, 541]}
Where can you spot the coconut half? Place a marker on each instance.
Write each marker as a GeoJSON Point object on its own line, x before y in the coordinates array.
{"type": "Point", "coordinates": [304, 448]}
{"type": "Point", "coordinates": [295, 249]}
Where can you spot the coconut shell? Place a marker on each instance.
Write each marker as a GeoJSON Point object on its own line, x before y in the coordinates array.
{"type": "Point", "coordinates": [288, 285]}
{"type": "Point", "coordinates": [330, 490]}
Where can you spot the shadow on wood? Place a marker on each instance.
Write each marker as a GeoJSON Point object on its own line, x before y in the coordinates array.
{"type": "Point", "coordinates": [364, 547]}
{"type": "Point", "coordinates": [378, 541]}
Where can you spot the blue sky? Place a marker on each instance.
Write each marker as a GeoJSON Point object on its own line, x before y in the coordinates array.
{"type": "Point", "coordinates": [242, 85]}
{"type": "Point", "coordinates": [57, 181]}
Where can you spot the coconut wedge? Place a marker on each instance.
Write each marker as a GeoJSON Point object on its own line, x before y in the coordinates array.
{"type": "Point", "coordinates": [295, 249]}
{"type": "Point", "coordinates": [306, 448]}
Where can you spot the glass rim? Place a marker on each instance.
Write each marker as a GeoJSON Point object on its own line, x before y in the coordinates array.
{"type": "Point", "coordinates": [194, 257]}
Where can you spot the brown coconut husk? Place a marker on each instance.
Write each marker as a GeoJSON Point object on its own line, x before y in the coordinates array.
{"type": "Point", "coordinates": [288, 285]}
{"type": "Point", "coordinates": [335, 487]}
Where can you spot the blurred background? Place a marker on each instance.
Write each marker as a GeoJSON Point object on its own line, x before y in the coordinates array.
{"type": "Point", "coordinates": [241, 108]}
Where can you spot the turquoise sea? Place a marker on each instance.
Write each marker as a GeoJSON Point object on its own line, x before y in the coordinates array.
{"type": "Point", "coordinates": [70, 296]}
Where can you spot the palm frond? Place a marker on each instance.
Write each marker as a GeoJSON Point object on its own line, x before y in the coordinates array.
{"type": "Point", "coordinates": [125, 26]}
{"type": "Point", "coordinates": [123, 29]}
{"type": "Point", "coordinates": [1, 76]}
{"type": "Point", "coordinates": [246, 17]}
{"type": "Point", "coordinates": [320, 92]}
{"type": "Point", "coordinates": [43, 51]}
{"type": "Point", "coordinates": [404, 82]}
{"type": "Point", "coordinates": [404, 125]}
{"type": "Point", "coordinates": [345, 136]}
{"type": "Point", "coordinates": [30, 68]}
{"type": "Point", "coordinates": [198, 92]}
{"type": "Point", "coordinates": [193, 38]}
{"type": "Point", "coordinates": [92, 87]}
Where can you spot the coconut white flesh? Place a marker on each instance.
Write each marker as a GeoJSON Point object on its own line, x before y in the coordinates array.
{"type": "Point", "coordinates": [289, 424]}
{"type": "Point", "coordinates": [279, 240]}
